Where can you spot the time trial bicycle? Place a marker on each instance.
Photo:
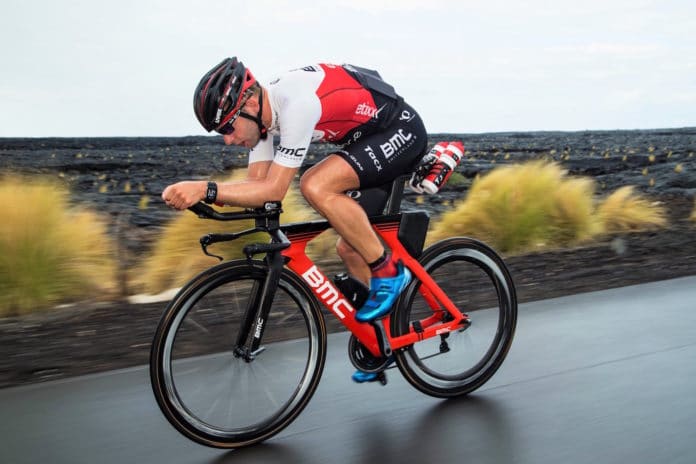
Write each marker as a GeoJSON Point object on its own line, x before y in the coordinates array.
{"type": "Point", "coordinates": [239, 351]}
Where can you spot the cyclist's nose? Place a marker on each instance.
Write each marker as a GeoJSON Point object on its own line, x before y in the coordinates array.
{"type": "Point", "coordinates": [229, 139]}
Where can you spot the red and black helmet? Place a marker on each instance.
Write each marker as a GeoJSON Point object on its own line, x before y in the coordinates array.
{"type": "Point", "coordinates": [221, 92]}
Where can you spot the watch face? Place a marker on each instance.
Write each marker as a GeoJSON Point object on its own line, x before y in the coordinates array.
{"type": "Point", "coordinates": [211, 193]}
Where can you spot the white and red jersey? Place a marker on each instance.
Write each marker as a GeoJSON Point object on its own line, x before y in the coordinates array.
{"type": "Point", "coordinates": [324, 102]}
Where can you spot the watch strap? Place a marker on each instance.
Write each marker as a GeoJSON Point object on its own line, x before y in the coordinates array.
{"type": "Point", "coordinates": [211, 193]}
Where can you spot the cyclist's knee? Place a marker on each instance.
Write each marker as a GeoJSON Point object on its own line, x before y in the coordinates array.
{"type": "Point", "coordinates": [309, 188]}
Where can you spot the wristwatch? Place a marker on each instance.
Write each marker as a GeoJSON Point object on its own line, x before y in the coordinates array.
{"type": "Point", "coordinates": [211, 193]}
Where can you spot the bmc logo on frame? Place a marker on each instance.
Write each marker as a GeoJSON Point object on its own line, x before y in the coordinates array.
{"type": "Point", "coordinates": [326, 292]}
{"type": "Point", "coordinates": [395, 142]}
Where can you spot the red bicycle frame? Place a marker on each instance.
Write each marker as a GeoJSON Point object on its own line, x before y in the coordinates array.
{"type": "Point", "coordinates": [334, 301]}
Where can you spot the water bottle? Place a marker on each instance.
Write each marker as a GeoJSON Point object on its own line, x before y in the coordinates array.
{"type": "Point", "coordinates": [425, 165]}
{"type": "Point", "coordinates": [354, 290]}
{"type": "Point", "coordinates": [442, 170]}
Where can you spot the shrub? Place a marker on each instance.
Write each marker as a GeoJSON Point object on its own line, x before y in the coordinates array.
{"type": "Point", "coordinates": [49, 252]}
{"type": "Point", "coordinates": [624, 210]}
{"type": "Point", "coordinates": [177, 255]}
{"type": "Point", "coordinates": [521, 207]}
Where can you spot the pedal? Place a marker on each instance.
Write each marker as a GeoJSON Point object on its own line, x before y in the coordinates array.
{"type": "Point", "coordinates": [382, 378]}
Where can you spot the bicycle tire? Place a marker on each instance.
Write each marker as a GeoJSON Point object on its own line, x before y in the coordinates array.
{"type": "Point", "coordinates": [477, 281]}
{"type": "Point", "coordinates": [220, 400]}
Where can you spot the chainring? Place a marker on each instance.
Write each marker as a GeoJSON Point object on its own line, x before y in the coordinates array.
{"type": "Point", "coordinates": [364, 360]}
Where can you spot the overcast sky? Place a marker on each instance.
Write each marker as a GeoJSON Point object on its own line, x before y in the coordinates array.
{"type": "Point", "coordinates": [129, 67]}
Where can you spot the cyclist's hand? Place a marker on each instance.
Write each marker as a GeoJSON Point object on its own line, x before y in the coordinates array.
{"type": "Point", "coordinates": [184, 194]}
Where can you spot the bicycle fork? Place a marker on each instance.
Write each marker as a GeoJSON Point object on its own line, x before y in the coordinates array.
{"type": "Point", "coordinates": [260, 302]}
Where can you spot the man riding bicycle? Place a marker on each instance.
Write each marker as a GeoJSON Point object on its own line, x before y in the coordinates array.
{"type": "Point", "coordinates": [379, 137]}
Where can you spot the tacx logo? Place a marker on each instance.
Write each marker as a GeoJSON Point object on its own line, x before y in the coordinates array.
{"type": "Point", "coordinates": [395, 142]}
{"type": "Point", "coordinates": [370, 152]}
{"type": "Point", "coordinates": [365, 109]}
{"type": "Point", "coordinates": [291, 151]}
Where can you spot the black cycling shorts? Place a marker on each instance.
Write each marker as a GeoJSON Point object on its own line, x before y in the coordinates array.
{"type": "Point", "coordinates": [380, 157]}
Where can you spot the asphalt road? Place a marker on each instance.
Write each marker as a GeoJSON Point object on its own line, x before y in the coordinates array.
{"type": "Point", "coordinates": [605, 377]}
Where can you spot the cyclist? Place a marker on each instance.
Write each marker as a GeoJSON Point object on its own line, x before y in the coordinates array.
{"type": "Point", "coordinates": [379, 138]}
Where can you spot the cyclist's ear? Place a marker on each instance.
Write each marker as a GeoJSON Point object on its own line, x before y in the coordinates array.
{"type": "Point", "coordinates": [252, 104]}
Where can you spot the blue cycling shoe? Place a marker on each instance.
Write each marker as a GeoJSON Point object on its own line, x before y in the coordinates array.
{"type": "Point", "coordinates": [362, 376]}
{"type": "Point", "coordinates": [383, 293]}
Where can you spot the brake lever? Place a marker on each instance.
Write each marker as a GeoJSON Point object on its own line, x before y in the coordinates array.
{"type": "Point", "coordinates": [205, 243]}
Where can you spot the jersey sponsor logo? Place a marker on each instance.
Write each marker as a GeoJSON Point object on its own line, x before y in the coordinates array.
{"type": "Point", "coordinates": [356, 136]}
{"type": "Point", "coordinates": [365, 109]}
{"type": "Point", "coordinates": [395, 142]}
{"type": "Point", "coordinates": [306, 68]}
{"type": "Point", "coordinates": [327, 134]}
{"type": "Point", "coordinates": [291, 151]}
{"type": "Point", "coordinates": [371, 153]}
{"type": "Point", "coordinates": [406, 116]}
{"type": "Point", "coordinates": [357, 163]}
{"type": "Point", "coordinates": [326, 292]}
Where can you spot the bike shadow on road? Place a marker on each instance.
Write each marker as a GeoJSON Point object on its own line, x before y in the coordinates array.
{"type": "Point", "coordinates": [261, 453]}
{"type": "Point", "coordinates": [474, 428]}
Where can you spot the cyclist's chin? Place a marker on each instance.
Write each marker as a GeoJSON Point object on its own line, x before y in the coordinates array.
{"type": "Point", "coordinates": [250, 142]}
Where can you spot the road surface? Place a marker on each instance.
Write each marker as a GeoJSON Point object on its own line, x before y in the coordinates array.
{"type": "Point", "coordinates": [605, 377]}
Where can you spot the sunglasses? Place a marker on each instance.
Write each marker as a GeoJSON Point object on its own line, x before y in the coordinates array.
{"type": "Point", "coordinates": [228, 128]}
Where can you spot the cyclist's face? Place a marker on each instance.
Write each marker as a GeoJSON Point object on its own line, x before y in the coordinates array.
{"type": "Point", "coordinates": [246, 134]}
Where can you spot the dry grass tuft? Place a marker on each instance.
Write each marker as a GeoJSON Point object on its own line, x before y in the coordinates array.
{"type": "Point", "coordinates": [625, 210]}
{"type": "Point", "coordinates": [49, 252]}
{"type": "Point", "coordinates": [522, 207]}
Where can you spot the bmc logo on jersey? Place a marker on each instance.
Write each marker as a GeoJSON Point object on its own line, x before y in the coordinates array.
{"type": "Point", "coordinates": [395, 142]}
{"type": "Point", "coordinates": [291, 151]}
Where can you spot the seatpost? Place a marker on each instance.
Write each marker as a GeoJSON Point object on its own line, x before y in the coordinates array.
{"type": "Point", "coordinates": [395, 196]}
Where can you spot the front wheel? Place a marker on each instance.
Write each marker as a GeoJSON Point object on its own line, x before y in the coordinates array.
{"type": "Point", "coordinates": [478, 283]}
{"type": "Point", "coordinates": [204, 383]}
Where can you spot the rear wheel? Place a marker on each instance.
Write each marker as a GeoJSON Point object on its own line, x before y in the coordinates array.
{"type": "Point", "coordinates": [478, 283]}
{"type": "Point", "coordinates": [206, 387]}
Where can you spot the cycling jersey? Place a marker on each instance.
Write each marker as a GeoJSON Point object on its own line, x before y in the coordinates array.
{"type": "Point", "coordinates": [327, 103]}
{"type": "Point", "coordinates": [380, 135]}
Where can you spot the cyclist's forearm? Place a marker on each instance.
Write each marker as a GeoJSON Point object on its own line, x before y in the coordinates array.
{"type": "Point", "coordinates": [249, 193]}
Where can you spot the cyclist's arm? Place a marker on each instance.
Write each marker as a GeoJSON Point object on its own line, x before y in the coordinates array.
{"type": "Point", "coordinates": [267, 181]}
